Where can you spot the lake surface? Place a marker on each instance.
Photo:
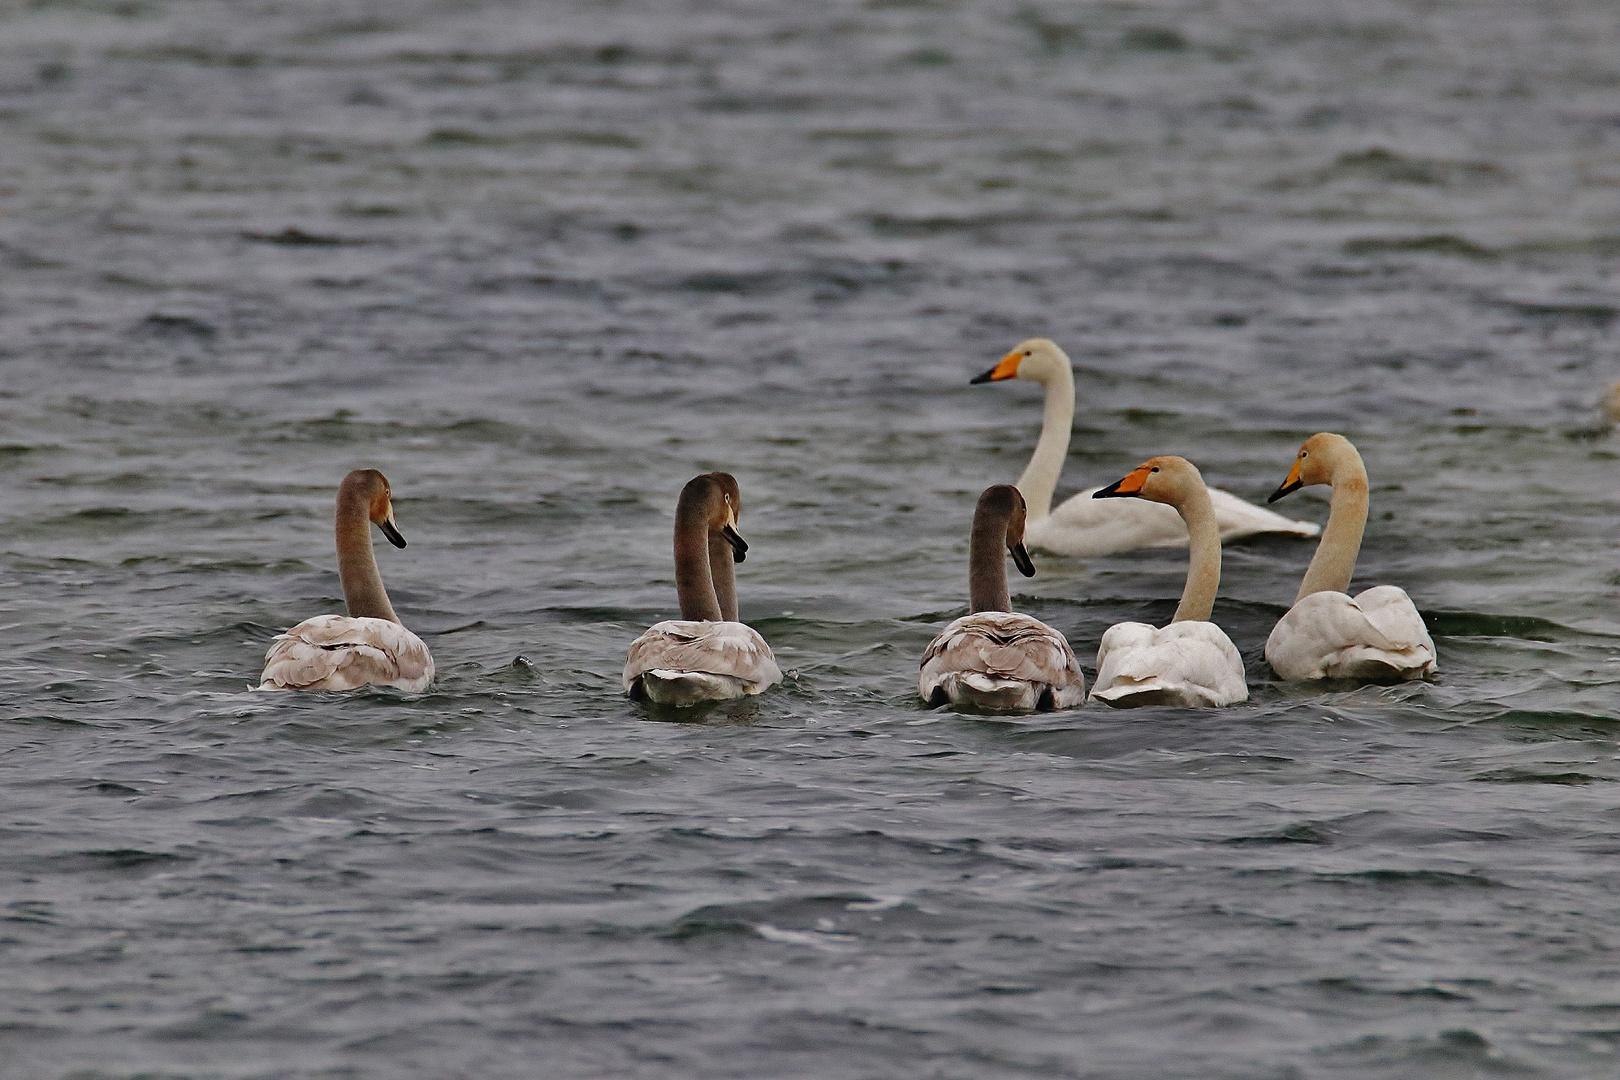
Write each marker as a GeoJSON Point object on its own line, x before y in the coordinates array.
{"type": "Point", "coordinates": [541, 264]}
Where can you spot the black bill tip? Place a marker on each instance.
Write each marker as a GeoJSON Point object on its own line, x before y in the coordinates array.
{"type": "Point", "coordinates": [1286, 489]}
{"type": "Point", "coordinates": [1021, 559]}
{"type": "Point", "coordinates": [390, 530]}
{"type": "Point", "coordinates": [739, 546]}
{"type": "Point", "coordinates": [1111, 491]}
{"type": "Point", "coordinates": [984, 378]}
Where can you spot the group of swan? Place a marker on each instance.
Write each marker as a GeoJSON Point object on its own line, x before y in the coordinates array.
{"type": "Point", "coordinates": [993, 658]}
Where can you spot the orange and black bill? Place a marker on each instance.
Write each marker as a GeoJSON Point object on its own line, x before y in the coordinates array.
{"type": "Point", "coordinates": [1290, 485]}
{"type": "Point", "coordinates": [739, 546]}
{"type": "Point", "coordinates": [1126, 488]}
{"type": "Point", "coordinates": [1006, 369]}
{"type": "Point", "coordinates": [390, 530]}
{"type": "Point", "coordinates": [1021, 559]}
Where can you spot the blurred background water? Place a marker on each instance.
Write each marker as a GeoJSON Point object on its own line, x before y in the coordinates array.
{"type": "Point", "coordinates": [541, 263]}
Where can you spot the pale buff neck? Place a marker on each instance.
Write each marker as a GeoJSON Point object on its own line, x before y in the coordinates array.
{"type": "Point", "coordinates": [987, 563]}
{"type": "Point", "coordinates": [357, 563]}
{"type": "Point", "coordinates": [1335, 560]}
{"type": "Point", "coordinates": [723, 573]}
{"type": "Point", "coordinates": [694, 583]}
{"type": "Point", "coordinates": [1046, 464]}
{"type": "Point", "coordinates": [1204, 557]}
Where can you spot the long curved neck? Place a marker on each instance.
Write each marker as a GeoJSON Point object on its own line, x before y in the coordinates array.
{"type": "Point", "coordinates": [723, 573]}
{"type": "Point", "coordinates": [1335, 560]}
{"type": "Point", "coordinates": [1204, 558]}
{"type": "Point", "coordinates": [987, 564]}
{"type": "Point", "coordinates": [1046, 464]}
{"type": "Point", "coordinates": [357, 564]}
{"type": "Point", "coordinates": [693, 581]}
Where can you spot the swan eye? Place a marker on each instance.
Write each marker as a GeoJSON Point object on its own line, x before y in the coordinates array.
{"type": "Point", "coordinates": [1154, 469]}
{"type": "Point", "coordinates": [1027, 355]}
{"type": "Point", "coordinates": [1304, 454]}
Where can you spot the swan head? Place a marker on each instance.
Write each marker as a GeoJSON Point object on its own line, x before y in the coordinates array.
{"type": "Point", "coordinates": [370, 488]}
{"type": "Point", "coordinates": [1004, 502]}
{"type": "Point", "coordinates": [1166, 479]}
{"type": "Point", "coordinates": [1316, 462]}
{"type": "Point", "coordinates": [1035, 360]}
{"type": "Point", "coordinates": [714, 500]}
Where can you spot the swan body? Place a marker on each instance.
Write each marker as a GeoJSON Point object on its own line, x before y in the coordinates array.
{"type": "Point", "coordinates": [1190, 663]}
{"type": "Point", "coordinates": [340, 652]}
{"type": "Point", "coordinates": [706, 655]}
{"type": "Point", "coordinates": [1001, 661]}
{"type": "Point", "coordinates": [369, 646]}
{"type": "Point", "coordinates": [1375, 636]}
{"type": "Point", "coordinates": [995, 658]}
{"type": "Point", "coordinates": [683, 662]}
{"type": "Point", "coordinates": [1081, 527]}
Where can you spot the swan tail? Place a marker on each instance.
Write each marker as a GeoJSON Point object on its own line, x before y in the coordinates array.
{"type": "Point", "coordinates": [682, 688]}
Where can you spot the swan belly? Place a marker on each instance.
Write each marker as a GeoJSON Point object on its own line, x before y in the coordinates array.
{"type": "Point", "coordinates": [341, 652]}
{"type": "Point", "coordinates": [1001, 661]}
{"type": "Point", "coordinates": [1377, 636]}
{"type": "Point", "coordinates": [682, 662]}
{"type": "Point", "coordinates": [1187, 664]}
{"type": "Point", "coordinates": [1082, 527]}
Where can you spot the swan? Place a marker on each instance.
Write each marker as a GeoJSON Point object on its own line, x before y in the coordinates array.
{"type": "Point", "coordinates": [706, 654]}
{"type": "Point", "coordinates": [1191, 662]}
{"type": "Point", "coordinates": [1080, 526]}
{"type": "Point", "coordinates": [1376, 636]}
{"type": "Point", "coordinates": [368, 646]}
{"type": "Point", "coordinates": [995, 658]}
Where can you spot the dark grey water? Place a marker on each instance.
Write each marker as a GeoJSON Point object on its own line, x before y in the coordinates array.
{"type": "Point", "coordinates": [540, 264]}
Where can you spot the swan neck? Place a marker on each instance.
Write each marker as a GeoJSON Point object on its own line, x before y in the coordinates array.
{"type": "Point", "coordinates": [1204, 557]}
{"type": "Point", "coordinates": [722, 571]}
{"type": "Point", "coordinates": [987, 563]}
{"type": "Point", "coordinates": [694, 583]}
{"type": "Point", "coordinates": [1045, 466]}
{"type": "Point", "coordinates": [363, 590]}
{"type": "Point", "coordinates": [1334, 563]}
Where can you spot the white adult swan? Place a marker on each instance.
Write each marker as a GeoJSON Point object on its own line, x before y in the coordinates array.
{"type": "Point", "coordinates": [368, 646]}
{"type": "Point", "coordinates": [706, 655]}
{"type": "Point", "coordinates": [1080, 526]}
{"type": "Point", "coordinates": [1378, 636]}
{"type": "Point", "coordinates": [995, 658]}
{"type": "Point", "coordinates": [1191, 662]}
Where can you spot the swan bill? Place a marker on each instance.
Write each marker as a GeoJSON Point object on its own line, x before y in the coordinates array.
{"type": "Point", "coordinates": [1293, 483]}
{"type": "Point", "coordinates": [739, 546]}
{"type": "Point", "coordinates": [1021, 559]}
{"type": "Point", "coordinates": [1006, 368]}
{"type": "Point", "coordinates": [390, 530]}
{"type": "Point", "coordinates": [1126, 488]}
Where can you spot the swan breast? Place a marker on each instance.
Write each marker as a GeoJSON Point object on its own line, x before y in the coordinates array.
{"type": "Point", "coordinates": [342, 652]}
